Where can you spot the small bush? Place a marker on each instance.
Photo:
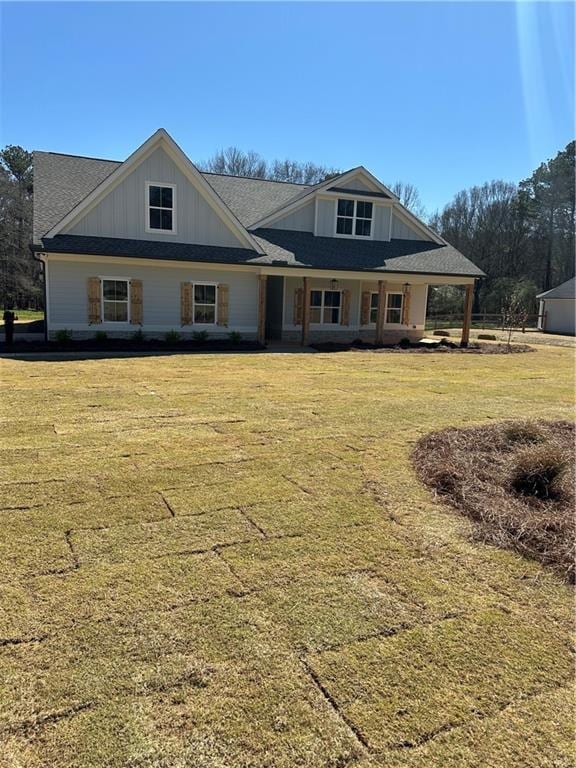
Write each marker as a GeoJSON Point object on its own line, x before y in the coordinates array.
{"type": "Point", "coordinates": [101, 336]}
{"type": "Point", "coordinates": [200, 336]}
{"type": "Point", "coordinates": [538, 472]}
{"type": "Point", "coordinates": [487, 336]}
{"type": "Point", "coordinates": [523, 432]}
{"type": "Point", "coordinates": [63, 336]}
{"type": "Point", "coordinates": [138, 336]}
{"type": "Point", "coordinates": [172, 337]}
{"type": "Point", "coordinates": [235, 337]}
{"type": "Point", "coordinates": [405, 343]}
{"type": "Point", "coordinates": [441, 333]}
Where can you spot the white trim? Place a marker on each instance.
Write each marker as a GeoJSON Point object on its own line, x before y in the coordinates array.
{"type": "Point", "coordinates": [322, 305]}
{"type": "Point", "coordinates": [354, 219]}
{"type": "Point", "coordinates": [116, 279]}
{"type": "Point", "coordinates": [393, 309]}
{"type": "Point", "coordinates": [147, 207]}
{"type": "Point", "coordinates": [205, 282]}
{"type": "Point", "coordinates": [414, 278]}
{"type": "Point", "coordinates": [159, 138]}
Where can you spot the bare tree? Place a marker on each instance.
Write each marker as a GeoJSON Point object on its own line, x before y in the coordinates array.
{"type": "Point", "coordinates": [409, 196]}
{"type": "Point", "coordinates": [235, 162]}
{"type": "Point", "coordinates": [514, 315]}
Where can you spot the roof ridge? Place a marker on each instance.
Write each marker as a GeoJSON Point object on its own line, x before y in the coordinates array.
{"type": "Point", "coordinates": [80, 157]}
{"type": "Point", "coordinates": [255, 178]}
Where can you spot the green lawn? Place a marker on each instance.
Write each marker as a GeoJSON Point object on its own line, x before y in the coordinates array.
{"type": "Point", "coordinates": [225, 561]}
{"type": "Point", "coordinates": [25, 315]}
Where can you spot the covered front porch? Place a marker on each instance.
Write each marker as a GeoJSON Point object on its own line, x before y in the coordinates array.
{"type": "Point", "coordinates": [314, 306]}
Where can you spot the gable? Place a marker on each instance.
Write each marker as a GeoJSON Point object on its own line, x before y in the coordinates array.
{"type": "Point", "coordinates": [301, 220]}
{"type": "Point", "coordinates": [404, 229]}
{"type": "Point", "coordinates": [122, 211]}
{"type": "Point", "coordinates": [358, 183]}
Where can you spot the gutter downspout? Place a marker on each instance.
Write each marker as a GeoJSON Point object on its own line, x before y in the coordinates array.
{"type": "Point", "coordinates": [41, 261]}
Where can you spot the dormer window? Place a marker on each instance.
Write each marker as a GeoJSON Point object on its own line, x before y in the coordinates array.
{"type": "Point", "coordinates": [160, 207]}
{"type": "Point", "coordinates": [354, 218]}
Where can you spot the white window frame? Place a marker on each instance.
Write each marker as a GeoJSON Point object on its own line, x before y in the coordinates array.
{"type": "Point", "coordinates": [116, 279]}
{"type": "Point", "coordinates": [394, 309]}
{"type": "Point", "coordinates": [322, 305]}
{"type": "Point", "coordinates": [147, 208]}
{"type": "Point", "coordinates": [354, 218]}
{"type": "Point", "coordinates": [194, 283]}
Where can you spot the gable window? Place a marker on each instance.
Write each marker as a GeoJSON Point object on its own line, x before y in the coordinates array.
{"type": "Point", "coordinates": [325, 307]}
{"type": "Point", "coordinates": [115, 305]}
{"type": "Point", "coordinates": [394, 308]}
{"type": "Point", "coordinates": [160, 207]}
{"type": "Point", "coordinates": [354, 218]}
{"type": "Point", "coordinates": [204, 309]}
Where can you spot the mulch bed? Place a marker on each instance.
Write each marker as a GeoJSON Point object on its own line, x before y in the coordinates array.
{"type": "Point", "coordinates": [514, 479]}
{"type": "Point", "coordinates": [130, 345]}
{"type": "Point", "coordinates": [442, 346]}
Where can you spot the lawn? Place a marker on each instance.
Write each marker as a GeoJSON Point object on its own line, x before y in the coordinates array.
{"type": "Point", "coordinates": [226, 561]}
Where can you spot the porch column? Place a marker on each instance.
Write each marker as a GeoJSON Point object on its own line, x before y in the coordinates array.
{"type": "Point", "coordinates": [467, 315]}
{"type": "Point", "coordinates": [381, 312]}
{"type": "Point", "coordinates": [262, 279]}
{"type": "Point", "coordinates": [305, 311]}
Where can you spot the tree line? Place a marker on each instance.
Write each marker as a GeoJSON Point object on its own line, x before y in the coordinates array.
{"type": "Point", "coordinates": [521, 235]}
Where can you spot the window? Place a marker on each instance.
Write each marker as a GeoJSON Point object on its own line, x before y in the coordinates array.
{"type": "Point", "coordinates": [115, 301]}
{"type": "Point", "coordinates": [204, 303]}
{"type": "Point", "coordinates": [325, 307]}
{"type": "Point", "coordinates": [161, 207]}
{"type": "Point", "coordinates": [354, 218]}
{"type": "Point", "coordinates": [373, 308]}
{"type": "Point", "coordinates": [394, 307]}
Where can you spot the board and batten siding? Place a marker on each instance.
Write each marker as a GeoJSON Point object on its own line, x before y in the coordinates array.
{"type": "Point", "coordinates": [401, 230]}
{"type": "Point", "coordinates": [301, 220]}
{"type": "Point", "coordinates": [123, 212]}
{"type": "Point", "coordinates": [68, 298]}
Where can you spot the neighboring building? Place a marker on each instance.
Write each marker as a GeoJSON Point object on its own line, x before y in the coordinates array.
{"type": "Point", "coordinates": [154, 243]}
{"type": "Point", "coordinates": [557, 312]}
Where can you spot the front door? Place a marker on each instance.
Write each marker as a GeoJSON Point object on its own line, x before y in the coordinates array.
{"type": "Point", "coordinates": [274, 307]}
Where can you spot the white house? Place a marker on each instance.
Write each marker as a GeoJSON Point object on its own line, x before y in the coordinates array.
{"type": "Point", "coordinates": [557, 313]}
{"type": "Point", "coordinates": [152, 243]}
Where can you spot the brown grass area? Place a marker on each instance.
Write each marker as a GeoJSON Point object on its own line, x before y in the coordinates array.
{"type": "Point", "coordinates": [515, 479]}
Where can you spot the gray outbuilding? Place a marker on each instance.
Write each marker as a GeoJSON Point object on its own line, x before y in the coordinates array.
{"type": "Point", "coordinates": [557, 313]}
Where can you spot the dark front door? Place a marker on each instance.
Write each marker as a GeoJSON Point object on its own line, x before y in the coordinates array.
{"type": "Point", "coordinates": [274, 307]}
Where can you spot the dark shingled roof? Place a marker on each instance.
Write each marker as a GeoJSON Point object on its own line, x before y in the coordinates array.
{"type": "Point", "coordinates": [284, 248]}
{"type": "Point", "coordinates": [566, 290]}
{"type": "Point", "coordinates": [303, 249]}
{"type": "Point", "coordinates": [63, 181]}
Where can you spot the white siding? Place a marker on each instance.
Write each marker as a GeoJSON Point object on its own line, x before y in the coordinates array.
{"type": "Point", "coordinates": [381, 225]}
{"type": "Point", "coordinates": [357, 183]}
{"type": "Point", "coordinates": [301, 220]}
{"type": "Point", "coordinates": [68, 302]}
{"type": "Point", "coordinates": [122, 213]}
{"type": "Point", "coordinates": [418, 299]}
{"type": "Point", "coordinates": [401, 230]}
{"type": "Point", "coordinates": [325, 217]}
{"type": "Point", "coordinates": [560, 315]}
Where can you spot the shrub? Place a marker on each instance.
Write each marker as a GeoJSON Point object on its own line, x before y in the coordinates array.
{"type": "Point", "coordinates": [487, 336]}
{"type": "Point", "coordinates": [538, 471]}
{"type": "Point", "coordinates": [441, 333]}
{"type": "Point", "coordinates": [200, 336]}
{"type": "Point", "coordinates": [63, 336]}
{"type": "Point", "coordinates": [405, 342]}
{"type": "Point", "coordinates": [101, 336]}
{"type": "Point", "coordinates": [235, 337]}
{"type": "Point", "coordinates": [138, 336]}
{"type": "Point", "coordinates": [172, 337]}
{"type": "Point", "coordinates": [523, 432]}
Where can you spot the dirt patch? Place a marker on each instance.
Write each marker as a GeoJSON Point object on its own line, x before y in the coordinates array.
{"type": "Point", "coordinates": [515, 479]}
{"type": "Point", "coordinates": [442, 346]}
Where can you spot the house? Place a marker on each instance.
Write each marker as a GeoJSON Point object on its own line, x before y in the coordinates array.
{"type": "Point", "coordinates": [557, 312]}
{"type": "Point", "coordinates": [152, 243]}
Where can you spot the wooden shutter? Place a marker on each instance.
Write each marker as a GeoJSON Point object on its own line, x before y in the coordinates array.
{"type": "Point", "coordinates": [406, 306]}
{"type": "Point", "coordinates": [94, 301]}
{"type": "Point", "coordinates": [222, 304]}
{"type": "Point", "coordinates": [136, 302]}
{"type": "Point", "coordinates": [366, 306]}
{"type": "Point", "coordinates": [345, 312]}
{"type": "Point", "coordinates": [186, 303]}
{"type": "Point", "coordinates": [298, 306]}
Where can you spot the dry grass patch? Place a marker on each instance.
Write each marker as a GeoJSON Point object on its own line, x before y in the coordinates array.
{"type": "Point", "coordinates": [227, 561]}
{"type": "Point", "coordinates": [516, 480]}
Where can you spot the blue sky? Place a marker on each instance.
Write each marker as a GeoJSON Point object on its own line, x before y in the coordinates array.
{"type": "Point", "coordinates": [444, 95]}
